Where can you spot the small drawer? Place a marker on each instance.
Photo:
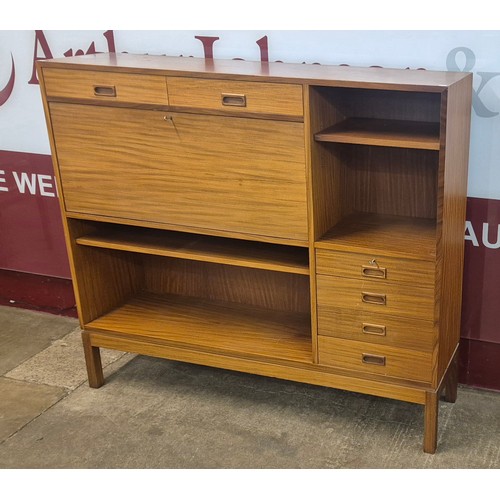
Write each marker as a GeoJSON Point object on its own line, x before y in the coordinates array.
{"type": "Point", "coordinates": [375, 359]}
{"type": "Point", "coordinates": [236, 96]}
{"type": "Point", "coordinates": [375, 267]}
{"type": "Point", "coordinates": [375, 297]}
{"type": "Point", "coordinates": [361, 326]}
{"type": "Point", "coordinates": [105, 86]}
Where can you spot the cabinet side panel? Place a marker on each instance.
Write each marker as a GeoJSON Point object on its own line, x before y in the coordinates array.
{"type": "Point", "coordinates": [451, 235]}
{"type": "Point", "coordinates": [103, 278]}
{"type": "Point", "coordinates": [55, 163]}
{"type": "Point", "coordinates": [308, 138]}
{"type": "Point", "coordinates": [327, 168]}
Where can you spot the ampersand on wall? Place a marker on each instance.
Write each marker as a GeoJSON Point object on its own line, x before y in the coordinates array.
{"type": "Point", "coordinates": [470, 60]}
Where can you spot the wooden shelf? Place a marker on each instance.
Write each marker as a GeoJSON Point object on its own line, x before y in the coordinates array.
{"type": "Point", "coordinates": [377, 132]}
{"type": "Point", "coordinates": [201, 248]}
{"type": "Point", "coordinates": [407, 237]}
{"type": "Point", "coordinates": [219, 326]}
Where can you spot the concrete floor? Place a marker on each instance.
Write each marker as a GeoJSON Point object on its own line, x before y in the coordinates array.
{"type": "Point", "coordinates": [158, 414]}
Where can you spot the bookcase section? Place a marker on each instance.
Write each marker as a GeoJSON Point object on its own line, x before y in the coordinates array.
{"type": "Point", "coordinates": [293, 221]}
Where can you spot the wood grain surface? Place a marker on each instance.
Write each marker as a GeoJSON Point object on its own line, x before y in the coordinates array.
{"type": "Point", "coordinates": [131, 88]}
{"type": "Point", "coordinates": [453, 183]}
{"type": "Point", "coordinates": [339, 76]}
{"type": "Point", "coordinates": [394, 236]}
{"type": "Point", "coordinates": [227, 283]}
{"type": "Point", "coordinates": [265, 98]}
{"type": "Point", "coordinates": [216, 326]}
{"type": "Point", "coordinates": [377, 132]}
{"type": "Point", "coordinates": [399, 300]}
{"type": "Point", "coordinates": [377, 328]}
{"type": "Point", "coordinates": [234, 174]}
{"type": "Point", "coordinates": [199, 247]}
{"type": "Point", "coordinates": [359, 173]}
{"type": "Point", "coordinates": [401, 363]}
{"type": "Point", "coordinates": [375, 267]}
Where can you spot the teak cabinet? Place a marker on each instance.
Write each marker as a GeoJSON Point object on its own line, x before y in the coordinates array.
{"type": "Point", "coordinates": [297, 221]}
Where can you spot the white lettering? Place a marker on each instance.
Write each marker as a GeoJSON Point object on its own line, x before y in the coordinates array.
{"type": "Point", "coordinates": [470, 235]}
{"type": "Point", "coordinates": [25, 181]}
{"type": "Point", "coordinates": [486, 243]}
{"type": "Point", "coordinates": [43, 184]}
{"type": "Point", "coordinates": [2, 179]}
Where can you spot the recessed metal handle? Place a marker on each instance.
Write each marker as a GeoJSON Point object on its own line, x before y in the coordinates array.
{"type": "Point", "coordinates": [234, 100]}
{"type": "Point", "coordinates": [374, 272]}
{"type": "Point", "coordinates": [373, 359]}
{"type": "Point", "coordinates": [374, 298]}
{"type": "Point", "coordinates": [104, 91]}
{"type": "Point", "coordinates": [371, 329]}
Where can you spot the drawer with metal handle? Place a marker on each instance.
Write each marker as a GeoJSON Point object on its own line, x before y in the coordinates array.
{"type": "Point", "coordinates": [377, 328]}
{"type": "Point", "coordinates": [375, 297]}
{"type": "Point", "coordinates": [375, 359]}
{"type": "Point", "coordinates": [105, 86]}
{"type": "Point", "coordinates": [375, 267]}
{"type": "Point", "coordinates": [236, 96]}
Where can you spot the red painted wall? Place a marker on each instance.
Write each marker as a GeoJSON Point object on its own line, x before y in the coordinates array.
{"type": "Point", "coordinates": [480, 346]}
{"type": "Point", "coordinates": [31, 234]}
{"type": "Point", "coordinates": [481, 298]}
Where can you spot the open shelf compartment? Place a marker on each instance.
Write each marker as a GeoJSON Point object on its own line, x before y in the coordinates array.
{"type": "Point", "coordinates": [194, 291]}
{"type": "Point", "coordinates": [197, 247]}
{"type": "Point", "coordinates": [213, 325]}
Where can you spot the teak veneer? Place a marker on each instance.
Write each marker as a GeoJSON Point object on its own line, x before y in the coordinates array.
{"type": "Point", "coordinates": [295, 221]}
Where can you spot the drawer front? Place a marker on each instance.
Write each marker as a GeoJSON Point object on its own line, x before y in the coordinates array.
{"type": "Point", "coordinates": [236, 96]}
{"type": "Point", "coordinates": [224, 173]}
{"type": "Point", "coordinates": [361, 326]}
{"type": "Point", "coordinates": [375, 267]}
{"type": "Point", "coordinates": [375, 297]}
{"type": "Point", "coordinates": [105, 86]}
{"type": "Point", "coordinates": [369, 358]}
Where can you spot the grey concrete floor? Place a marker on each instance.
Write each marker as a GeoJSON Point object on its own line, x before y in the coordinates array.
{"type": "Point", "coordinates": [159, 414]}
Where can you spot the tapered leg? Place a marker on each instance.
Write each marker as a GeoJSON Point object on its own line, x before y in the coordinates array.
{"type": "Point", "coordinates": [431, 421]}
{"type": "Point", "coordinates": [451, 382]}
{"type": "Point", "coordinates": [93, 361]}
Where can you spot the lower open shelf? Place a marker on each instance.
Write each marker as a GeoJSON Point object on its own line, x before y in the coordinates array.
{"type": "Point", "coordinates": [212, 325]}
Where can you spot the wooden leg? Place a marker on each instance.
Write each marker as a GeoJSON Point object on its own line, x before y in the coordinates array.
{"type": "Point", "coordinates": [451, 382]}
{"type": "Point", "coordinates": [93, 361]}
{"type": "Point", "coordinates": [431, 421]}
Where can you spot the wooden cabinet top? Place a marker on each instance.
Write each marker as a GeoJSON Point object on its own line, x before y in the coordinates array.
{"type": "Point", "coordinates": [314, 74]}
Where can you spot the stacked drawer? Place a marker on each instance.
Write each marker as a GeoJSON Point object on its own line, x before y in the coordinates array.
{"type": "Point", "coordinates": [376, 314]}
{"type": "Point", "coordinates": [196, 93]}
{"type": "Point", "coordinates": [106, 86]}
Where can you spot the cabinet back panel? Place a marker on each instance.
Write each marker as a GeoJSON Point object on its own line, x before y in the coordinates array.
{"type": "Point", "coordinates": [384, 104]}
{"type": "Point", "coordinates": [392, 181]}
{"type": "Point", "coordinates": [255, 287]}
{"type": "Point", "coordinates": [222, 173]}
